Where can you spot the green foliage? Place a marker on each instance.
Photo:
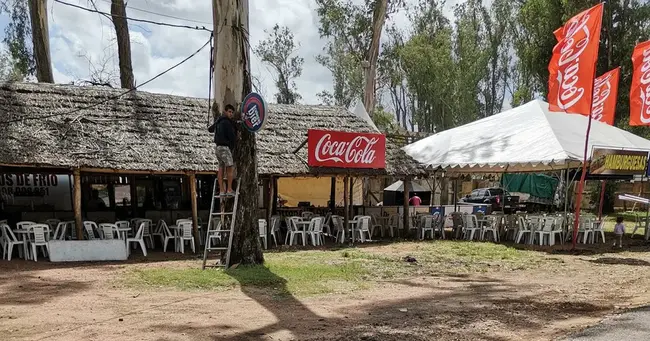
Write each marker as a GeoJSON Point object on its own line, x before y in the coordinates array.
{"type": "Point", "coordinates": [385, 121]}
{"type": "Point", "coordinates": [610, 195]}
{"type": "Point", "coordinates": [625, 23]}
{"type": "Point", "coordinates": [277, 50]}
{"type": "Point", "coordinates": [18, 37]}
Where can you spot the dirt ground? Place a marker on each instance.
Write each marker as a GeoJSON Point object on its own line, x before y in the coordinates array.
{"type": "Point", "coordinates": [45, 301]}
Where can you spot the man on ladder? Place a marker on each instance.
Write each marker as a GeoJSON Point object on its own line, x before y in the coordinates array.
{"type": "Point", "coordinates": [221, 224]}
{"type": "Point", "coordinates": [224, 137]}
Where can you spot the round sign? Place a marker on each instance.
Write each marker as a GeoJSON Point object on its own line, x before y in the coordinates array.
{"type": "Point", "coordinates": [253, 112]}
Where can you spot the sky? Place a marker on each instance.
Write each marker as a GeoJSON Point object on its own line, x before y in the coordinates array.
{"type": "Point", "coordinates": [82, 42]}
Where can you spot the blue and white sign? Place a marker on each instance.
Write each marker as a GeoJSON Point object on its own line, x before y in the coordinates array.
{"type": "Point", "coordinates": [253, 112]}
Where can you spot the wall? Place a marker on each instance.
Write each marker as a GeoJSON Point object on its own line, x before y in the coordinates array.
{"type": "Point", "coordinates": [315, 190]}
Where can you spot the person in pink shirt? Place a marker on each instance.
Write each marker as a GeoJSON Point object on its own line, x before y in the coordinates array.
{"type": "Point", "coordinates": [619, 231]}
{"type": "Point", "coordinates": [415, 200]}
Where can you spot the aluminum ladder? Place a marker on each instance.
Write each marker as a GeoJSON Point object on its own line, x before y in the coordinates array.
{"type": "Point", "coordinates": [216, 230]}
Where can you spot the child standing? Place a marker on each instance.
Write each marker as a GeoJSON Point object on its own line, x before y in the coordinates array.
{"type": "Point", "coordinates": [619, 231]}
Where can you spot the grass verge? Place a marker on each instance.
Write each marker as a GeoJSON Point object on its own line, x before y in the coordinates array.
{"type": "Point", "coordinates": [316, 272]}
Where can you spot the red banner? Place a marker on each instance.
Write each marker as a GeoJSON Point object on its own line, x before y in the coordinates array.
{"type": "Point", "coordinates": [338, 149]}
{"type": "Point", "coordinates": [603, 108]}
{"type": "Point", "coordinates": [640, 90]}
{"type": "Point", "coordinates": [573, 65]}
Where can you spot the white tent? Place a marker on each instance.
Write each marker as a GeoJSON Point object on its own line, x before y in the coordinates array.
{"type": "Point", "coordinates": [360, 111]}
{"type": "Point", "coordinates": [523, 139]}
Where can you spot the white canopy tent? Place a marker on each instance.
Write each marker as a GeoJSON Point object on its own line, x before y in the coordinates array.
{"type": "Point", "coordinates": [528, 138]}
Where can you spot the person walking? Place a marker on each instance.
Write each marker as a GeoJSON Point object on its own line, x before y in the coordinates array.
{"type": "Point", "coordinates": [225, 136]}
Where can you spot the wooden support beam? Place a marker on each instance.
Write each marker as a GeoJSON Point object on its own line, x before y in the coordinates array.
{"type": "Point", "coordinates": [345, 204]}
{"type": "Point", "coordinates": [405, 217]}
{"type": "Point", "coordinates": [195, 214]}
{"type": "Point", "coordinates": [274, 199]}
{"type": "Point", "coordinates": [268, 200]}
{"type": "Point", "coordinates": [333, 194]}
{"type": "Point", "coordinates": [76, 208]}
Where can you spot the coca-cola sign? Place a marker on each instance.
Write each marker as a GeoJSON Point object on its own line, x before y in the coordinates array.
{"type": "Point", "coordinates": [604, 98]}
{"type": "Point", "coordinates": [338, 149]}
{"type": "Point", "coordinates": [572, 65]}
{"type": "Point", "coordinates": [640, 88]}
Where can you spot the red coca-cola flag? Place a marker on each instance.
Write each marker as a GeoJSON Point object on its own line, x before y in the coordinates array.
{"type": "Point", "coordinates": [573, 65]}
{"type": "Point", "coordinates": [603, 108]}
{"type": "Point", "coordinates": [338, 149]}
{"type": "Point", "coordinates": [640, 90]}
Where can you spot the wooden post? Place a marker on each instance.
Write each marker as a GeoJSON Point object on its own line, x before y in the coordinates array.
{"type": "Point", "coordinates": [351, 203]}
{"type": "Point", "coordinates": [268, 198]}
{"type": "Point", "coordinates": [41, 40]}
{"type": "Point", "coordinates": [405, 217]}
{"type": "Point", "coordinates": [345, 205]}
{"type": "Point", "coordinates": [274, 199]}
{"type": "Point", "coordinates": [76, 208]}
{"type": "Point", "coordinates": [134, 196]}
{"type": "Point", "coordinates": [195, 214]}
{"type": "Point", "coordinates": [333, 194]}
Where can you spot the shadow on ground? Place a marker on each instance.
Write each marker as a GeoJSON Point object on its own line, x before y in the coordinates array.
{"type": "Point", "coordinates": [475, 311]}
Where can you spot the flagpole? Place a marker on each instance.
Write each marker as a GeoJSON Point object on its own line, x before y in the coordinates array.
{"type": "Point", "coordinates": [581, 184]}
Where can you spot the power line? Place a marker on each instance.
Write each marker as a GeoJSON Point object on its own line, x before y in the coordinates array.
{"type": "Point", "coordinates": [113, 97]}
{"type": "Point", "coordinates": [197, 28]}
{"type": "Point", "coordinates": [163, 15]}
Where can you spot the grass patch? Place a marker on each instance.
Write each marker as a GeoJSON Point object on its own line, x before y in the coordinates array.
{"type": "Point", "coordinates": [305, 273]}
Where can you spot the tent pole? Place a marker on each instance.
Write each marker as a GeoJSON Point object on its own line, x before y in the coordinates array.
{"type": "Point", "coordinates": [602, 199]}
{"type": "Point", "coordinates": [566, 192]}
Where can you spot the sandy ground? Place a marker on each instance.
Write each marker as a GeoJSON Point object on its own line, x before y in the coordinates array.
{"type": "Point", "coordinates": [45, 301]}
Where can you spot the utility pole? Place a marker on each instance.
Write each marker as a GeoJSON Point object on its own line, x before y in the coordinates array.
{"type": "Point", "coordinates": [41, 40]}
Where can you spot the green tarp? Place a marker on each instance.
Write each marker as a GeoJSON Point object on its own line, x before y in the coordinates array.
{"type": "Point", "coordinates": [539, 185]}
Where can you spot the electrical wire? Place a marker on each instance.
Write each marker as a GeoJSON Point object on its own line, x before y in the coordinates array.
{"type": "Point", "coordinates": [163, 15]}
{"type": "Point", "coordinates": [197, 28]}
{"type": "Point", "coordinates": [116, 96]}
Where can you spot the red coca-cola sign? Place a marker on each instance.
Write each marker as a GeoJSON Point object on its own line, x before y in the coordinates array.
{"type": "Point", "coordinates": [339, 149]}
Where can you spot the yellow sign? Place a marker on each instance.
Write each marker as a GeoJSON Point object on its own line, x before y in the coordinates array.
{"type": "Point", "coordinates": [618, 162]}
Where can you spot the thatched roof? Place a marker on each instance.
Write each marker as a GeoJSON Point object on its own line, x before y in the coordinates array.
{"type": "Point", "coordinates": [155, 133]}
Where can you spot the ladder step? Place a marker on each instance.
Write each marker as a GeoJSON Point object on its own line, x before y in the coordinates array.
{"type": "Point", "coordinates": [222, 213]}
{"type": "Point", "coordinates": [221, 248]}
{"type": "Point", "coordinates": [226, 195]}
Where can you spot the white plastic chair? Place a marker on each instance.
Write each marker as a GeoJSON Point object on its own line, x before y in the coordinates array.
{"type": "Point", "coordinates": [293, 231]}
{"type": "Point", "coordinates": [186, 236]}
{"type": "Point", "coordinates": [122, 224]}
{"type": "Point", "coordinates": [158, 231]}
{"type": "Point", "coordinates": [394, 224]}
{"type": "Point", "coordinates": [426, 225]}
{"type": "Point", "coordinates": [546, 231]}
{"type": "Point", "coordinates": [522, 229]}
{"type": "Point", "coordinates": [337, 224]}
{"type": "Point", "coordinates": [439, 225]}
{"type": "Point", "coordinates": [24, 225]}
{"type": "Point", "coordinates": [275, 228]}
{"type": "Point", "coordinates": [491, 226]}
{"type": "Point", "coordinates": [38, 231]}
{"type": "Point", "coordinates": [306, 215]}
{"type": "Point", "coordinates": [598, 231]}
{"type": "Point", "coordinates": [138, 239]}
{"type": "Point", "coordinates": [585, 229]}
{"type": "Point", "coordinates": [316, 231]}
{"type": "Point", "coordinates": [167, 235]}
{"type": "Point", "coordinates": [90, 228]}
{"type": "Point", "coordinates": [60, 231]}
{"type": "Point", "coordinates": [109, 231]}
{"type": "Point", "coordinates": [471, 227]}
{"type": "Point", "coordinates": [262, 225]}
{"type": "Point", "coordinates": [146, 234]}
{"type": "Point", "coordinates": [363, 228]}
{"type": "Point", "coordinates": [10, 242]}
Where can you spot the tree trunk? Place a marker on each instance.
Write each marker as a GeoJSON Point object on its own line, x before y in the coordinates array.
{"type": "Point", "coordinates": [373, 54]}
{"type": "Point", "coordinates": [41, 40]}
{"type": "Point", "coordinates": [232, 80]}
{"type": "Point", "coordinates": [118, 14]}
